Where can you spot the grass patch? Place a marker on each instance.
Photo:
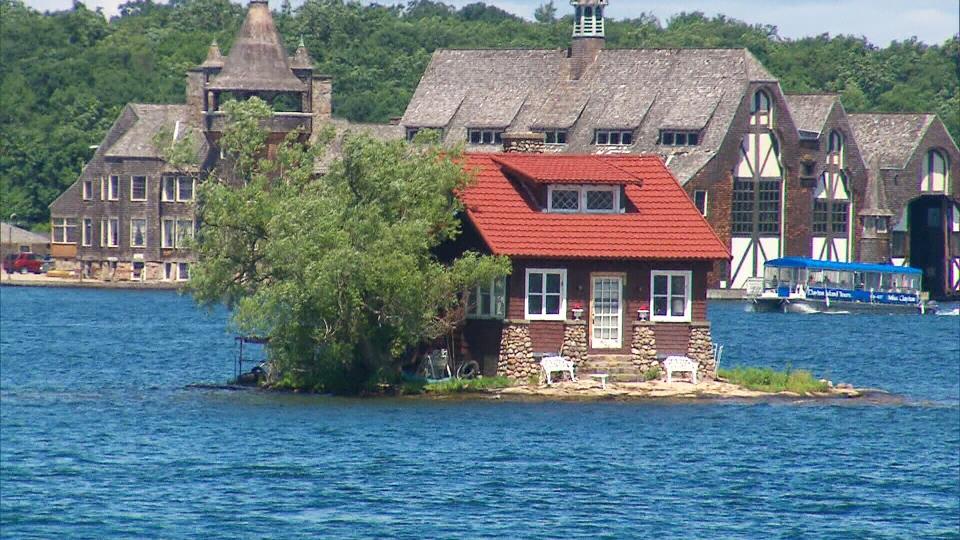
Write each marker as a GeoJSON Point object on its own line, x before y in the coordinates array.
{"type": "Point", "coordinates": [457, 386]}
{"type": "Point", "coordinates": [799, 381]}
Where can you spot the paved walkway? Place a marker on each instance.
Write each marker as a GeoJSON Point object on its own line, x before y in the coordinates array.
{"type": "Point", "coordinates": [41, 280]}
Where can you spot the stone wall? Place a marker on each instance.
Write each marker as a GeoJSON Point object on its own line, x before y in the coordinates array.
{"type": "Point", "coordinates": [701, 349]}
{"type": "Point", "coordinates": [643, 348]}
{"type": "Point", "coordinates": [575, 342]}
{"type": "Point", "coordinates": [525, 142]}
{"type": "Point", "coordinates": [516, 351]}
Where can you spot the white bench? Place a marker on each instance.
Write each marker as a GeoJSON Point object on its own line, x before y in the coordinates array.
{"type": "Point", "coordinates": [680, 364]}
{"type": "Point", "coordinates": [554, 364]}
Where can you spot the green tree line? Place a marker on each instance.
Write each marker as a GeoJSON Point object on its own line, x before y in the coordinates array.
{"type": "Point", "coordinates": [66, 75]}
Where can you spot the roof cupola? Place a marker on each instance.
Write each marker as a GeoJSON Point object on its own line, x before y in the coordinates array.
{"type": "Point", "coordinates": [588, 18]}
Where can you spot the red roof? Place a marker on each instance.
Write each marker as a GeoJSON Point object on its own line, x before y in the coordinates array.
{"type": "Point", "coordinates": [665, 224]}
{"type": "Point", "coordinates": [560, 168]}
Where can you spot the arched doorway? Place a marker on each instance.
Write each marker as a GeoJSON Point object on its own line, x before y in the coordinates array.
{"type": "Point", "coordinates": [927, 225]}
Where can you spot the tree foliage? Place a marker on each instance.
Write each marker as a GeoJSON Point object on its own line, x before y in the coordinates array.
{"type": "Point", "coordinates": [339, 271]}
{"type": "Point", "coordinates": [66, 75]}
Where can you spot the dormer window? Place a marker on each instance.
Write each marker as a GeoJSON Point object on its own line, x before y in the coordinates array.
{"type": "Point", "coordinates": [613, 137]}
{"type": "Point", "coordinates": [679, 138]}
{"type": "Point", "coordinates": [485, 136]}
{"type": "Point", "coordinates": [571, 198]}
{"type": "Point", "coordinates": [761, 109]}
{"type": "Point", "coordinates": [555, 136]}
{"type": "Point", "coordinates": [412, 133]}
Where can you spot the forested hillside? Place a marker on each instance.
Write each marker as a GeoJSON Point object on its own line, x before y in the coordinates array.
{"type": "Point", "coordinates": [66, 75]}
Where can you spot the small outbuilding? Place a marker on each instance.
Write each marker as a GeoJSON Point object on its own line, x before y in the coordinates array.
{"type": "Point", "coordinates": [13, 239]}
{"type": "Point", "coordinates": [609, 263]}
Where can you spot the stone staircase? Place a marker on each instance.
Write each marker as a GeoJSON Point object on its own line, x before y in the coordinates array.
{"type": "Point", "coordinates": [620, 367]}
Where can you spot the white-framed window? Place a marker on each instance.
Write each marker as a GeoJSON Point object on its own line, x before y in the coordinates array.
{"type": "Point", "coordinates": [613, 137]}
{"type": "Point", "coordinates": [935, 172]}
{"type": "Point", "coordinates": [185, 185]}
{"type": "Point", "coordinates": [138, 232]}
{"type": "Point", "coordinates": [168, 189]}
{"type": "Point", "coordinates": [138, 188]}
{"type": "Point", "coordinates": [571, 198]}
{"type": "Point", "coordinates": [546, 294]}
{"type": "Point", "coordinates": [87, 189]}
{"type": "Point", "coordinates": [489, 301]}
{"type": "Point", "coordinates": [700, 200]}
{"type": "Point", "coordinates": [168, 271]}
{"type": "Point", "coordinates": [484, 136]}
{"type": "Point", "coordinates": [64, 231]}
{"type": "Point", "coordinates": [184, 232]}
{"type": "Point", "coordinates": [835, 144]}
{"type": "Point", "coordinates": [555, 136]}
{"type": "Point", "coordinates": [669, 137]}
{"type": "Point", "coordinates": [86, 233]}
{"type": "Point", "coordinates": [113, 188]}
{"type": "Point", "coordinates": [183, 271]}
{"type": "Point", "coordinates": [670, 295]}
{"type": "Point", "coordinates": [168, 233]}
{"type": "Point", "coordinates": [761, 109]}
{"type": "Point", "coordinates": [110, 232]}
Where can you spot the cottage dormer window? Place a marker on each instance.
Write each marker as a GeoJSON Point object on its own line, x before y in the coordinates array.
{"type": "Point", "coordinates": [935, 172]}
{"type": "Point", "coordinates": [679, 138]}
{"type": "Point", "coordinates": [583, 198]}
{"type": "Point", "coordinates": [485, 136]}
{"type": "Point", "coordinates": [613, 137]}
{"type": "Point", "coordinates": [761, 109]}
{"type": "Point", "coordinates": [555, 136]}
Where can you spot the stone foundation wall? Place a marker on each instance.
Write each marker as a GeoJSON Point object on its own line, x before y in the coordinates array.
{"type": "Point", "coordinates": [701, 349]}
{"type": "Point", "coordinates": [516, 352]}
{"type": "Point", "coordinates": [575, 342]}
{"type": "Point", "coordinates": [643, 348]}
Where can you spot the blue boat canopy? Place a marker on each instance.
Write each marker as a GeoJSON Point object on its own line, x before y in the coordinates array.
{"type": "Point", "coordinates": [806, 262]}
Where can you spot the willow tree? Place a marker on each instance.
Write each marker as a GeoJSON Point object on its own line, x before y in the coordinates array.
{"type": "Point", "coordinates": [338, 270]}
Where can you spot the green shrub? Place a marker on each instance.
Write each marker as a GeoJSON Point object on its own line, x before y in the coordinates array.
{"type": "Point", "coordinates": [799, 381]}
{"type": "Point", "coordinates": [457, 386]}
{"type": "Point", "coordinates": [652, 373]}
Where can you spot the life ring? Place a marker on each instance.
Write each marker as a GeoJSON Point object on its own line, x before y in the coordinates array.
{"type": "Point", "coordinates": [469, 370]}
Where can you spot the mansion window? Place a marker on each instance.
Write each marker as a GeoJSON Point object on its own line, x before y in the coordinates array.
{"type": "Point", "coordinates": [176, 233]}
{"type": "Point", "coordinates": [185, 186]}
{"type": "Point", "coordinates": [555, 136]}
{"type": "Point", "coordinates": [613, 137]}
{"type": "Point", "coordinates": [670, 295]}
{"type": "Point", "coordinates": [700, 201]}
{"type": "Point", "coordinates": [138, 188]}
{"type": "Point", "coordinates": [756, 206]}
{"type": "Point", "coordinates": [485, 136]}
{"type": "Point", "coordinates": [760, 109]}
{"type": "Point", "coordinates": [835, 144]}
{"type": "Point", "coordinates": [86, 233]}
{"type": "Point", "coordinates": [110, 232]}
{"type": "Point", "coordinates": [64, 231]}
{"type": "Point", "coordinates": [168, 189]}
{"type": "Point", "coordinates": [546, 294]}
{"type": "Point", "coordinates": [183, 271]}
{"type": "Point", "coordinates": [87, 189]}
{"type": "Point", "coordinates": [413, 131]}
{"type": "Point", "coordinates": [138, 232]}
{"type": "Point", "coordinates": [583, 198]}
{"type": "Point", "coordinates": [678, 138]}
{"type": "Point", "coordinates": [489, 301]}
{"type": "Point", "coordinates": [113, 188]}
{"type": "Point", "coordinates": [934, 172]}
{"type": "Point", "coordinates": [875, 224]}
{"type": "Point", "coordinates": [830, 217]}
{"type": "Point", "coordinates": [177, 188]}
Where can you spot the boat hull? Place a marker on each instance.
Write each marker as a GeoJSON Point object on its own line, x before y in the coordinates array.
{"type": "Point", "coordinates": [793, 305]}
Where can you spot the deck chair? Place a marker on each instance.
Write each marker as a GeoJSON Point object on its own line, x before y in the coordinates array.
{"type": "Point", "coordinates": [437, 364]}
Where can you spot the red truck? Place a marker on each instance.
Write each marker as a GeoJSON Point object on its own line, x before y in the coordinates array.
{"type": "Point", "coordinates": [23, 263]}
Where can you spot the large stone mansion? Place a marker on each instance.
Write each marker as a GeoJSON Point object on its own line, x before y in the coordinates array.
{"type": "Point", "coordinates": [775, 174]}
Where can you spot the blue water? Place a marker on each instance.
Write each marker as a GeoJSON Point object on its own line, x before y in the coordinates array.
{"type": "Point", "coordinates": [100, 439]}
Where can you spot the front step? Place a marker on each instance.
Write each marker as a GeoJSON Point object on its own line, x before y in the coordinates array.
{"type": "Point", "coordinates": [619, 367]}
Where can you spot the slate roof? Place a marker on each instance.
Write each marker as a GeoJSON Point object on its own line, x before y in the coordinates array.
{"type": "Point", "coordinates": [638, 89]}
{"type": "Point", "coordinates": [257, 59]}
{"type": "Point", "coordinates": [138, 140]}
{"type": "Point", "coordinates": [564, 168]}
{"type": "Point", "coordinates": [665, 224]}
{"type": "Point", "coordinates": [810, 111]}
{"type": "Point", "coordinates": [382, 132]}
{"type": "Point", "coordinates": [15, 235]}
{"type": "Point", "coordinates": [889, 138]}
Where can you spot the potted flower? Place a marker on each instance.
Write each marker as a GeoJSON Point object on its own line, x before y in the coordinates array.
{"type": "Point", "coordinates": [643, 312]}
{"type": "Point", "coordinates": [577, 309]}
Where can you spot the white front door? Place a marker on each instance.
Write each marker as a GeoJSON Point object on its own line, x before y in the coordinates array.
{"type": "Point", "coordinates": [607, 310]}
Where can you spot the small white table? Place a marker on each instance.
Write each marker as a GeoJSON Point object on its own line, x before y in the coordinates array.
{"type": "Point", "coordinates": [602, 377]}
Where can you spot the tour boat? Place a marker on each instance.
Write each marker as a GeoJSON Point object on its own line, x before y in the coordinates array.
{"type": "Point", "coordinates": [804, 285]}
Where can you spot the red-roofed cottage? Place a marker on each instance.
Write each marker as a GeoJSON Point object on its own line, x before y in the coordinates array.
{"type": "Point", "coordinates": [593, 239]}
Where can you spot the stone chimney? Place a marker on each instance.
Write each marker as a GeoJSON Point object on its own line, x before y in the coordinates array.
{"type": "Point", "coordinates": [526, 141]}
{"type": "Point", "coordinates": [588, 35]}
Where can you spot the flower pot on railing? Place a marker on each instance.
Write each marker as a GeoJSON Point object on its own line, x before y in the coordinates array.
{"type": "Point", "coordinates": [643, 313]}
{"type": "Point", "coordinates": [577, 313]}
